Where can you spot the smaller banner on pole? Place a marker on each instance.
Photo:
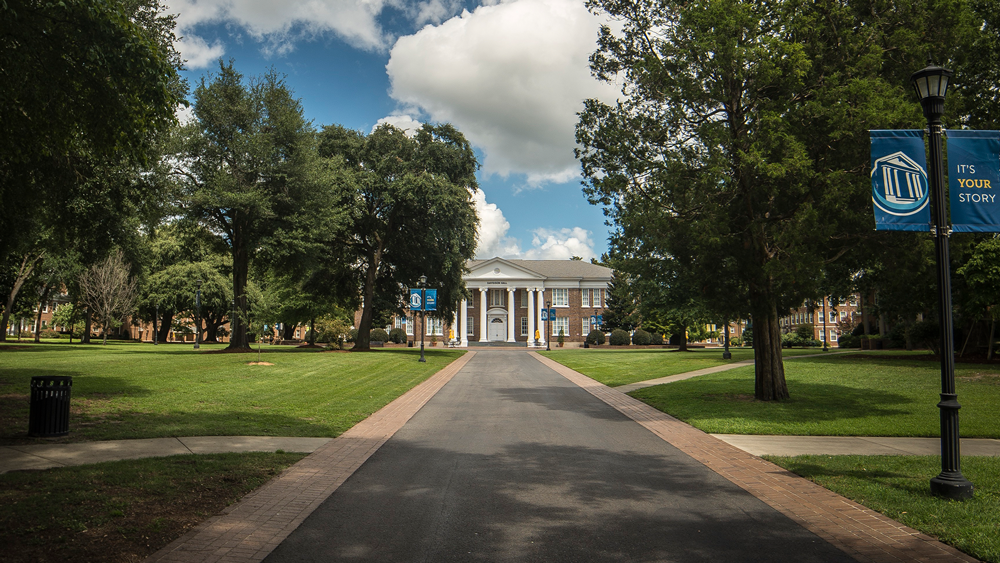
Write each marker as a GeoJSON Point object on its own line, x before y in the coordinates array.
{"type": "Point", "coordinates": [974, 180]}
{"type": "Point", "coordinates": [900, 192]}
{"type": "Point", "coordinates": [431, 300]}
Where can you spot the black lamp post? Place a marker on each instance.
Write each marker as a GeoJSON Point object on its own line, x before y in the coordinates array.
{"type": "Point", "coordinates": [931, 85]}
{"type": "Point", "coordinates": [726, 354]}
{"type": "Point", "coordinates": [548, 319]}
{"type": "Point", "coordinates": [156, 332]}
{"type": "Point", "coordinates": [197, 314]}
{"type": "Point", "coordinates": [825, 329]}
{"type": "Point", "coordinates": [422, 284]}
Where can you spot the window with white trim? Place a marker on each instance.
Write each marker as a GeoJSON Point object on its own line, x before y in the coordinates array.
{"type": "Point", "coordinates": [833, 316]}
{"type": "Point", "coordinates": [524, 298]}
{"type": "Point", "coordinates": [821, 334]}
{"type": "Point", "coordinates": [585, 325]}
{"type": "Point", "coordinates": [560, 298]}
{"type": "Point", "coordinates": [833, 336]}
{"type": "Point", "coordinates": [408, 325]}
{"type": "Point", "coordinates": [585, 298]}
{"type": "Point", "coordinates": [497, 298]}
{"type": "Point", "coordinates": [524, 326]}
{"type": "Point", "coordinates": [434, 327]}
{"type": "Point", "coordinates": [562, 323]}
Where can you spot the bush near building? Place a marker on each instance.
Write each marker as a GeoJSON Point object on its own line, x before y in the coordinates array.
{"type": "Point", "coordinates": [619, 337]}
{"type": "Point", "coordinates": [595, 337]}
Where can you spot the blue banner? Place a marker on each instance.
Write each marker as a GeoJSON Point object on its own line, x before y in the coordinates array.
{"type": "Point", "coordinates": [416, 300]}
{"type": "Point", "coordinates": [900, 190]}
{"type": "Point", "coordinates": [431, 300]}
{"type": "Point", "coordinates": [974, 180]}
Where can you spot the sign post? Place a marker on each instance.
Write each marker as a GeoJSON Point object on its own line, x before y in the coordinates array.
{"type": "Point", "coordinates": [419, 302]}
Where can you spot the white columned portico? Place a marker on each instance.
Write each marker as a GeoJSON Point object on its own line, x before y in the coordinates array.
{"type": "Point", "coordinates": [510, 315]}
{"type": "Point", "coordinates": [541, 305]}
{"type": "Point", "coordinates": [454, 329]}
{"type": "Point", "coordinates": [531, 316]}
{"type": "Point", "coordinates": [463, 312]}
{"type": "Point", "coordinates": [483, 337]}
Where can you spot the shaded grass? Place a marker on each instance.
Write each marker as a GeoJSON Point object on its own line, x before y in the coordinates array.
{"type": "Point", "coordinates": [130, 390]}
{"type": "Point", "coordinates": [850, 395]}
{"type": "Point", "coordinates": [621, 367]}
{"type": "Point", "coordinates": [122, 510]}
{"type": "Point", "coordinates": [898, 487]}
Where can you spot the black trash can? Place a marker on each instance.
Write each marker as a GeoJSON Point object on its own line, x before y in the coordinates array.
{"type": "Point", "coordinates": [49, 415]}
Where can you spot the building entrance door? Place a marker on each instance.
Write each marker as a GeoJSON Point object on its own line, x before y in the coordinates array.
{"type": "Point", "coordinates": [497, 329]}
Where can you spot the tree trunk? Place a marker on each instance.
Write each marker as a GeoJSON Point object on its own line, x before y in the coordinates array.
{"type": "Point", "coordinates": [682, 341]}
{"type": "Point", "coordinates": [865, 322]}
{"type": "Point", "coordinates": [288, 331]}
{"type": "Point", "coordinates": [989, 346]}
{"type": "Point", "coordinates": [238, 339]}
{"type": "Point", "coordinates": [312, 331]}
{"type": "Point", "coordinates": [769, 370]}
{"type": "Point", "coordinates": [362, 342]}
{"type": "Point", "coordinates": [41, 305]}
{"type": "Point", "coordinates": [964, 346]}
{"type": "Point", "coordinates": [165, 321]}
{"type": "Point", "coordinates": [882, 328]}
{"type": "Point", "coordinates": [87, 326]}
{"type": "Point", "coordinates": [28, 264]}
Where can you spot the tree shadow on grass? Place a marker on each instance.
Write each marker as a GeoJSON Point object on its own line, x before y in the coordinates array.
{"type": "Point", "coordinates": [810, 402]}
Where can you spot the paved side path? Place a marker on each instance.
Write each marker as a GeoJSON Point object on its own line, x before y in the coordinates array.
{"type": "Point", "coordinates": [253, 527]}
{"type": "Point", "coordinates": [45, 456]}
{"type": "Point", "coordinates": [864, 534]}
{"type": "Point", "coordinates": [715, 369]}
{"type": "Point", "coordinates": [853, 445]}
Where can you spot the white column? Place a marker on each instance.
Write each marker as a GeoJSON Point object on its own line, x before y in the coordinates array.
{"type": "Point", "coordinates": [542, 327]}
{"type": "Point", "coordinates": [510, 315]}
{"type": "Point", "coordinates": [482, 314]}
{"type": "Point", "coordinates": [531, 316]}
{"type": "Point", "coordinates": [454, 328]}
{"type": "Point", "coordinates": [463, 311]}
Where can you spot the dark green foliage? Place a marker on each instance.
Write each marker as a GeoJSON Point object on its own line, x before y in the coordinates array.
{"type": "Point", "coordinates": [397, 336]}
{"type": "Point", "coordinates": [410, 213]}
{"type": "Point", "coordinates": [656, 338]}
{"type": "Point", "coordinates": [925, 334]}
{"type": "Point", "coordinates": [352, 335]}
{"type": "Point", "coordinates": [379, 335]}
{"type": "Point", "coordinates": [595, 337]}
{"type": "Point", "coordinates": [805, 331]}
{"type": "Point", "coordinates": [640, 337]}
{"type": "Point", "coordinates": [619, 338]}
{"type": "Point", "coordinates": [849, 341]}
{"type": "Point", "coordinates": [620, 309]}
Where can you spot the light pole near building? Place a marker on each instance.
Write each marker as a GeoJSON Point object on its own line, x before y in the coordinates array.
{"type": "Point", "coordinates": [156, 317]}
{"type": "Point", "coordinates": [931, 85]}
{"type": "Point", "coordinates": [726, 354]}
{"type": "Point", "coordinates": [825, 329]}
{"type": "Point", "coordinates": [197, 314]}
{"type": "Point", "coordinates": [548, 305]}
{"type": "Point", "coordinates": [422, 284]}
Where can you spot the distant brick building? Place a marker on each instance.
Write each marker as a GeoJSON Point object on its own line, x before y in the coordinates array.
{"type": "Point", "coordinates": [841, 314]}
{"type": "Point", "coordinates": [507, 299]}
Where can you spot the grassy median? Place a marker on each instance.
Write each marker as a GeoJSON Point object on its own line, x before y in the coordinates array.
{"type": "Point", "coordinates": [128, 390]}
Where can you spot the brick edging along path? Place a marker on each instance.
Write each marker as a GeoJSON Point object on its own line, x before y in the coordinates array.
{"type": "Point", "coordinates": [860, 532]}
{"type": "Point", "coordinates": [249, 530]}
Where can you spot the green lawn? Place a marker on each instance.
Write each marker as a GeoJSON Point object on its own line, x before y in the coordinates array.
{"type": "Point", "coordinates": [897, 486]}
{"type": "Point", "coordinates": [130, 390]}
{"type": "Point", "coordinates": [621, 367]}
{"type": "Point", "coordinates": [842, 395]}
{"type": "Point", "coordinates": [122, 510]}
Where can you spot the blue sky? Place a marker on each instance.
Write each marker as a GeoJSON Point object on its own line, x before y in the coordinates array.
{"type": "Point", "coordinates": [510, 75]}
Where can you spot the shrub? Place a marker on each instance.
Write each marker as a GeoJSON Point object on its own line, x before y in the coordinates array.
{"type": "Point", "coordinates": [790, 339]}
{"type": "Point", "coordinates": [397, 336]}
{"type": "Point", "coordinates": [619, 337]}
{"type": "Point", "coordinates": [656, 338]}
{"type": "Point", "coordinates": [640, 337]}
{"type": "Point", "coordinates": [352, 335]}
{"type": "Point", "coordinates": [595, 337]}
{"type": "Point", "coordinates": [49, 333]}
{"type": "Point", "coordinates": [378, 335]}
{"type": "Point", "coordinates": [803, 332]}
{"type": "Point", "coordinates": [849, 341]}
{"type": "Point", "coordinates": [925, 334]}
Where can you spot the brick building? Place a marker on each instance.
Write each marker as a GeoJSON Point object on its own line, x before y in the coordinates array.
{"type": "Point", "coordinates": [841, 315]}
{"type": "Point", "coordinates": [507, 298]}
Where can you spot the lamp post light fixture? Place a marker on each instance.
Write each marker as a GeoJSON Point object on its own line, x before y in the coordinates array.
{"type": "Point", "coordinates": [548, 305]}
{"type": "Point", "coordinates": [931, 85]}
{"type": "Point", "coordinates": [197, 314]}
{"type": "Point", "coordinates": [422, 284]}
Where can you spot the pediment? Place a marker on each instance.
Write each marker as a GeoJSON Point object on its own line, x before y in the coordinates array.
{"type": "Point", "coordinates": [498, 269]}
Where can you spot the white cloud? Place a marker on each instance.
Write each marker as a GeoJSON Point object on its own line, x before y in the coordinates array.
{"type": "Point", "coordinates": [279, 24]}
{"type": "Point", "coordinates": [493, 227]}
{"type": "Point", "coordinates": [561, 244]}
{"type": "Point", "coordinates": [184, 114]}
{"type": "Point", "coordinates": [546, 244]}
{"type": "Point", "coordinates": [404, 122]}
{"type": "Point", "coordinates": [511, 77]}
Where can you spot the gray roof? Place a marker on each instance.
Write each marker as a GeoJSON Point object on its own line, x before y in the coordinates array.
{"type": "Point", "coordinates": [556, 268]}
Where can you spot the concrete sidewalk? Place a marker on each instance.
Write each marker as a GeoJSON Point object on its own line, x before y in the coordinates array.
{"type": "Point", "coordinates": [45, 456]}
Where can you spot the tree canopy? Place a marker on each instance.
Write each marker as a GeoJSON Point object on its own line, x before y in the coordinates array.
{"type": "Point", "coordinates": [410, 213]}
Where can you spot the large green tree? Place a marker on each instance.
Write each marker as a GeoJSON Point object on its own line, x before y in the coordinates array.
{"type": "Point", "coordinates": [248, 169]}
{"type": "Point", "coordinates": [742, 127]}
{"type": "Point", "coordinates": [411, 213]}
